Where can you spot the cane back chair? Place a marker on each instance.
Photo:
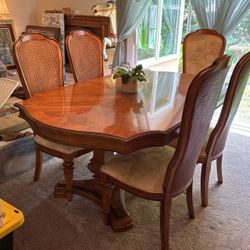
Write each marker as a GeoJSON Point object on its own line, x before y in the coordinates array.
{"type": "Point", "coordinates": [40, 68]}
{"type": "Point", "coordinates": [161, 173]}
{"type": "Point", "coordinates": [85, 55]}
{"type": "Point", "coordinates": [216, 137]}
{"type": "Point", "coordinates": [200, 49]}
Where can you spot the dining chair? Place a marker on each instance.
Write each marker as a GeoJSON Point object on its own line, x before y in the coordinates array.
{"type": "Point", "coordinates": [216, 137]}
{"type": "Point", "coordinates": [85, 55]}
{"type": "Point", "coordinates": [40, 67]}
{"type": "Point", "coordinates": [161, 173]}
{"type": "Point", "coordinates": [200, 49]}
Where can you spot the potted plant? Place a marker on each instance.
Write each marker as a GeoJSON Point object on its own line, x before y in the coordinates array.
{"type": "Point", "coordinates": [130, 77]}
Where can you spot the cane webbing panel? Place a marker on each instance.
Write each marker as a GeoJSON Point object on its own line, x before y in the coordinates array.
{"type": "Point", "coordinates": [85, 51]}
{"type": "Point", "coordinates": [40, 63]}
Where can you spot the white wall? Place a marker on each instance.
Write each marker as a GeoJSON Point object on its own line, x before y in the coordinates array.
{"type": "Point", "coordinates": [28, 12]}
{"type": "Point", "coordinates": [23, 12]}
{"type": "Point", "coordinates": [84, 6]}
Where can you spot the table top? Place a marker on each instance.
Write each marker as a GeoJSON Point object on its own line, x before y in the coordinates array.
{"type": "Point", "coordinates": [97, 114]}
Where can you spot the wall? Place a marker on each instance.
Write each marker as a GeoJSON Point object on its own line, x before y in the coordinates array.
{"type": "Point", "coordinates": [84, 6]}
{"type": "Point", "coordinates": [23, 12]}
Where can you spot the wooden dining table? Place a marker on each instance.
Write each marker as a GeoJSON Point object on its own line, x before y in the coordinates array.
{"type": "Point", "coordinates": [96, 114]}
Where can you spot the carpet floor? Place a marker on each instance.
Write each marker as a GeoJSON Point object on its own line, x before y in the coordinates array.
{"type": "Point", "coordinates": [54, 224]}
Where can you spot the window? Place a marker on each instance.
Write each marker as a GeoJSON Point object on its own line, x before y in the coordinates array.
{"type": "Point", "coordinates": [190, 22]}
{"type": "Point", "coordinates": [159, 32]}
{"type": "Point", "coordinates": [238, 44]}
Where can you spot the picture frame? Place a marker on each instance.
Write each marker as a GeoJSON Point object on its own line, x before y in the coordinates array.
{"type": "Point", "coordinates": [7, 39]}
{"type": "Point", "coordinates": [49, 31]}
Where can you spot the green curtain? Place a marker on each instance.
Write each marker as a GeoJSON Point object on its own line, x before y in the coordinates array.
{"type": "Point", "coordinates": [129, 14]}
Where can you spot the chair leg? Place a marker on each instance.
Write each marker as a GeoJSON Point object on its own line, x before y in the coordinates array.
{"type": "Point", "coordinates": [205, 172]}
{"type": "Point", "coordinates": [107, 192]}
{"type": "Point", "coordinates": [219, 169]}
{"type": "Point", "coordinates": [189, 198]}
{"type": "Point", "coordinates": [123, 200]}
{"type": "Point", "coordinates": [39, 162]}
{"type": "Point", "coordinates": [68, 175]}
{"type": "Point", "coordinates": [164, 222]}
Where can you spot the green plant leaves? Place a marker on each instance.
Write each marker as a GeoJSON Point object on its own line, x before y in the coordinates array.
{"type": "Point", "coordinates": [134, 75]}
{"type": "Point", "coordinates": [125, 78]}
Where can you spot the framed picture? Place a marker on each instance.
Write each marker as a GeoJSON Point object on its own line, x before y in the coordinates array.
{"type": "Point", "coordinates": [52, 32]}
{"type": "Point", "coordinates": [6, 42]}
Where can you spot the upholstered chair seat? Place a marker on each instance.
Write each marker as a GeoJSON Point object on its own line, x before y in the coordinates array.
{"type": "Point", "coordinates": [137, 169]}
{"type": "Point", "coordinates": [65, 149]}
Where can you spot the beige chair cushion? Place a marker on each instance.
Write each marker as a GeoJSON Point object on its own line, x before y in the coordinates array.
{"type": "Point", "coordinates": [201, 51]}
{"type": "Point", "coordinates": [144, 169]}
{"type": "Point", "coordinates": [65, 149]}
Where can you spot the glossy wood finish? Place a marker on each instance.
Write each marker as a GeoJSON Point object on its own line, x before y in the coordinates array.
{"type": "Point", "coordinates": [117, 121]}
{"type": "Point", "coordinates": [98, 115]}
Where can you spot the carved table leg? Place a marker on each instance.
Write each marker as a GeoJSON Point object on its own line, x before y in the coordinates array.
{"type": "Point", "coordinates": [120, 219]}
{"type": "Point", "coordinates": [68, 175]}
{"type": "Point", "coordinates": [101, 192]}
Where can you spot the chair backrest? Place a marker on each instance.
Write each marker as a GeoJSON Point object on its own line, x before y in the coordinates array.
{"type": "Point", "coordinates": [200, 49]}
{"type": "Point", "coordinates": [199, 107]}
{"type": "Point", "coordinates": [236, 87]}
{"type": "Point", "coordinates": [85, 55]}
{"type": "Point", "coordinates": [39, 63]}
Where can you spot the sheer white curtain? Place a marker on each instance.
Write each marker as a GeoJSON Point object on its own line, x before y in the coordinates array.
{"type": "Point", "coordinates": [170, 17]}
{"type": "Point", "coordinates": [129, 14]}
{"type": "Point", "coordinates": [220, 15]}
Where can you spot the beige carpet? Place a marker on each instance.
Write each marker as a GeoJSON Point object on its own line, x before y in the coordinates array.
{"type": "Point", "coordinates": [53, 224]}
